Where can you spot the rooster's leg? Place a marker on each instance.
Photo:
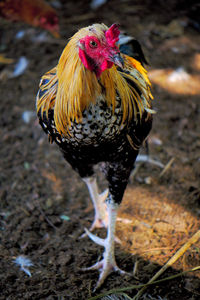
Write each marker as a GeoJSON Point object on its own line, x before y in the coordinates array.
{"type": "Point", "coordinates": [108, 263]}
{"type": "Point", "coordinates": [101, 215]}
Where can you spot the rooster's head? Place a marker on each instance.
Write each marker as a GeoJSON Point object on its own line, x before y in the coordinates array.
{"type": "Point", "coordinates": [97, 48]}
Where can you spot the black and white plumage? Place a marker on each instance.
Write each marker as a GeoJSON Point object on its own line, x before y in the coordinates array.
{"type": "Point", "coordinates": [101, 134]}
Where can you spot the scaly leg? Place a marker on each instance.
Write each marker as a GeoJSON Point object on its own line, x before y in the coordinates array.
{"type": "Point", "coordinates": [108, 263]}
{"type": "Point", "coordinates": [100, 218]}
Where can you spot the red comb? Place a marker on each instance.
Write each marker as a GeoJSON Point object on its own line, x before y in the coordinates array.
{"type": "Point", "coordinates": [112, 35]}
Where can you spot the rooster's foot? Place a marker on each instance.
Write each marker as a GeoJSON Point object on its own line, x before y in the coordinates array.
{"type": "Point", "coordinates": [108, 264]}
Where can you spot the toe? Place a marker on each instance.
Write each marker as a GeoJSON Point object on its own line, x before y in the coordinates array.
{"type": "Point", "coordinates": [103, 275]}
{"type": "Point", "coordinates": [95, 238]}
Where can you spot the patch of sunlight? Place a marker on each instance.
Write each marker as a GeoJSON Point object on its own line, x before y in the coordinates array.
{"type": "Point", "coordinates": [153, 226]}
{"type": "Point", "coordinates": [177, 81]}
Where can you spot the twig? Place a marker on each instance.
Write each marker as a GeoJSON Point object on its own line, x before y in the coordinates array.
{"type": "Point", "coordinates": [46, 218]}
{"type": "Point", "coordinates": [25, 211]}
{"type": "Point", "coordinates": [166, 168]}
{"type": "Point", "coordinates": [156, 249]}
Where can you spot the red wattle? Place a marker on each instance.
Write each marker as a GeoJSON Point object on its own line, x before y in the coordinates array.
{"type": "Point", "coordinates": [106, 65]}
{"type": "Point", "coordinates": [84, 60]}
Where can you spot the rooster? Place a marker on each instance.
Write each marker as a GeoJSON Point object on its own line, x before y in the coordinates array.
{"type": "Point", "coordinates": [96, 106]}
{"type": "Point", "coordinates": [36, 13]}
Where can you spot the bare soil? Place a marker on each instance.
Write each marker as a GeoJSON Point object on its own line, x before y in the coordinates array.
{"type": "Point", "coordinates": [158, 214]}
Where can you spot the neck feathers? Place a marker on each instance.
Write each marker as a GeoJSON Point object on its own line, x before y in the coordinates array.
{"type": "Point", "coordinates": [77, 88]}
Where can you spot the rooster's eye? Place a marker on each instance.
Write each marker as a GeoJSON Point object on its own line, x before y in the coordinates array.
{"type": "Point", "coordinates": [93, 44]}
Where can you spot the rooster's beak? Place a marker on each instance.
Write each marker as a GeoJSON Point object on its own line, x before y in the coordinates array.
{"type": "Point", "coordinates": [118, 60]}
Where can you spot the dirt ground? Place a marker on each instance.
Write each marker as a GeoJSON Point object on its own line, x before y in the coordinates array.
{"type": "Point", "coordinates": [44, 205]}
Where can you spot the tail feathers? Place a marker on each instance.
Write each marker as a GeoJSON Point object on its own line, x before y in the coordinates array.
{"type": "Point", "coordinates": [130, 46]}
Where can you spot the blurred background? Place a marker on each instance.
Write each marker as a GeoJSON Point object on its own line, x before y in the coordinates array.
{"type": "Point", "coordinates": [44, 205]}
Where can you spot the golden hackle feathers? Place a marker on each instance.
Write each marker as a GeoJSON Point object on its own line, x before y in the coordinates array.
{"type": "Point", "coordinates": [49, 89]}
{"type": "Point", "coordinates": [78, 87]}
